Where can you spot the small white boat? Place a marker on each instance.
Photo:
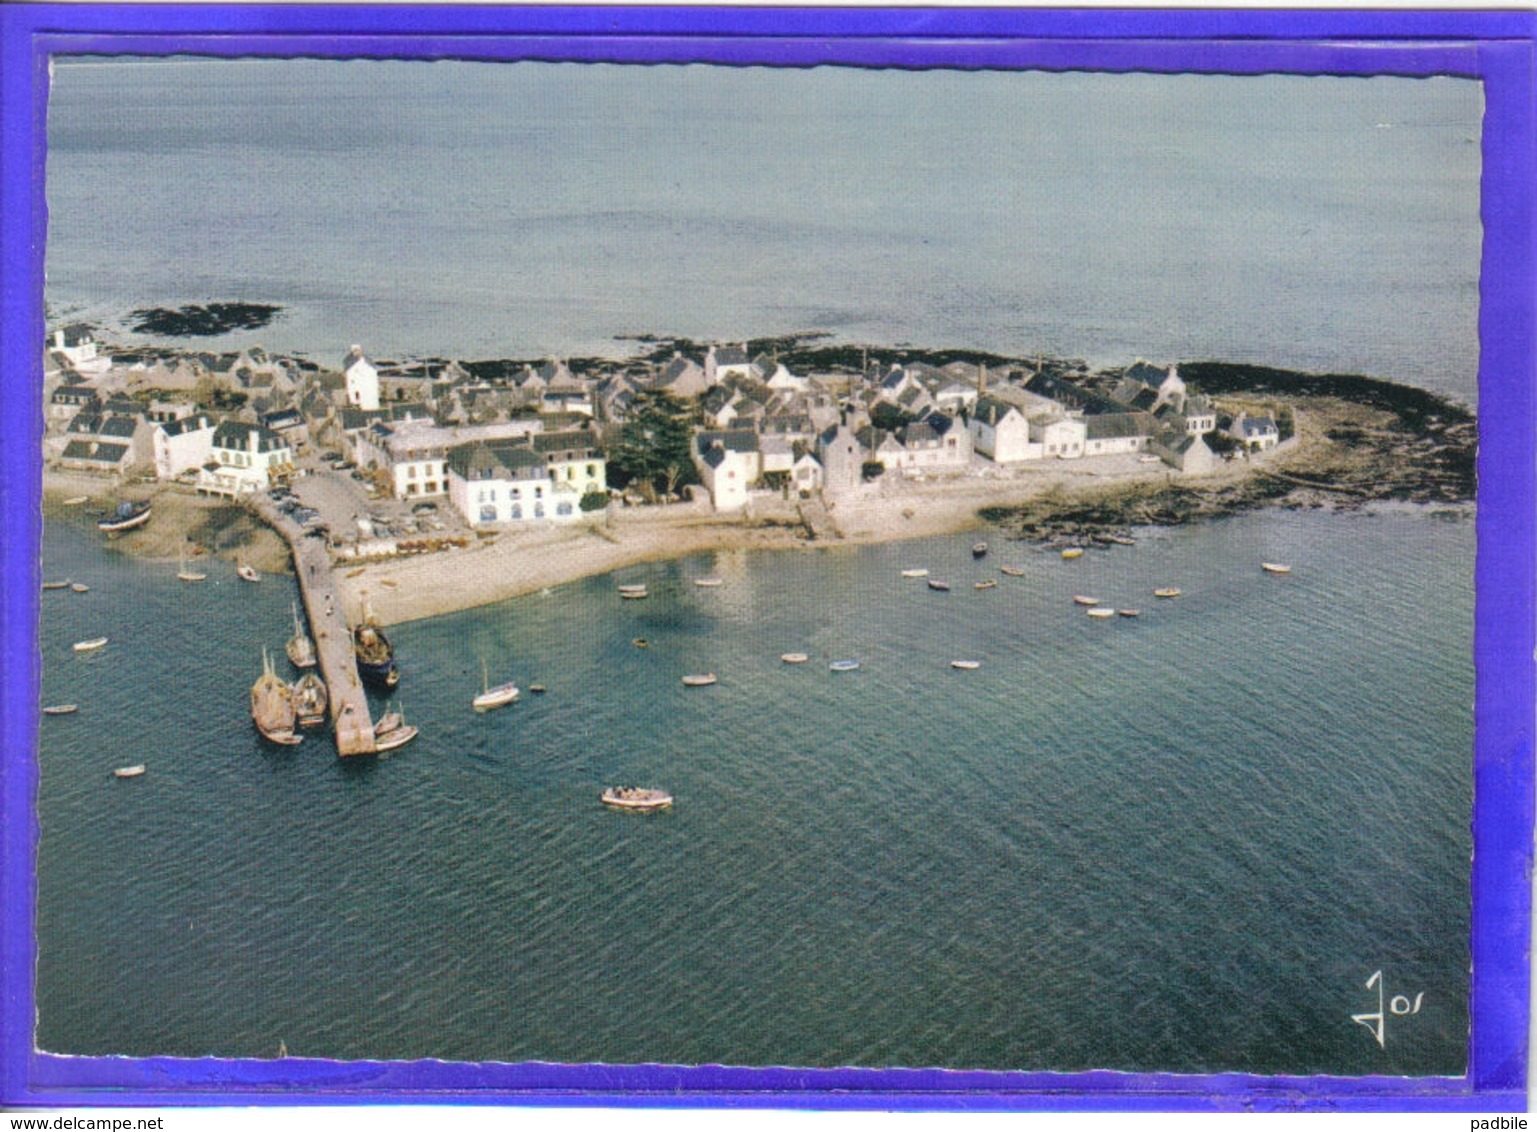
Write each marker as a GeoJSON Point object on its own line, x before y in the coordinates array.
{"type": "Point", "coordinates": [1275, 568]}
{"type": "Point", "coordinates": [495, 697]}
{"type": "Point", "coordinates": [1129, 612]}
{"type": "Point", "coordinates": [129, 771]}
{"type": "Point", "coordinates": [77, 500]}
{"type": "Point", "coordinates": [248, 572]}
{"type": "Point", "coordinates": [633, 592]}
{"type": "Point", "coordinates": [91, 645]}
{"type": "Point", "coordinates": [61, 709]}
{"type": "Point", "coordinates": [915, 572]}
{"type": "Point", "coordinates": [1167, 591]}
{"type": "Point", "coordinates": [636, 798]}
{"type": "Point", "coordinates": [80, 587]}
{"type": "Point", "coordinates": [794, 657]}
{"type": "Point", "coordinates": [843, 665]}
{"type": "Point", "coordinates": [709, 583]}
{"type": "Point", "coordinates": [1073, 552]}
{"type": "Point", "coordinates": [1082, 600]}
{"type": "Point", "coordinates": [1100, 612]}
{"type": "Point", "coordinates": [64, 585]}
{"type": "Point", "coordinates": [537, 689]}
{"type": "Point", "coordinates": [396, 738]}
{"type": "Point", "coordinates": [941, 587]}
{"type": "Point", "coordinates": [127, 517]}
{"type": "Point", "coordinates": [966, 665]}
{"type": "Point", "coordinates": [640, 642]}
{"type": "Point", "coordinates": [188, 575]}
{"type": "Point", "coordinates": [986, 584]}
{"type": "Point", "coordinates": [699, 680]}
{"type": "Point", "coordinates": [1012, 571]}
{"type": "Point", "coordinates": [978, 549]}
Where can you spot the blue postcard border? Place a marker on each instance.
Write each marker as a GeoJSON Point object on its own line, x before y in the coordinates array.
{"type": "Point", "coordinates": [1496, 47]}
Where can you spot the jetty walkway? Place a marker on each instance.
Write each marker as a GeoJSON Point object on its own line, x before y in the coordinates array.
{"type": "Point", "coordinates": [328, 627]}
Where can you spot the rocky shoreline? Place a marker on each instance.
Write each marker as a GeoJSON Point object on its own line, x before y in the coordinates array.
{"type": "Point", "coordinates": [1361, 441]}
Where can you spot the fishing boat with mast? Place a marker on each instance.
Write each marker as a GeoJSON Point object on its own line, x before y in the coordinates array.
{"type": "Point", "coordinates": [272, 706]}
{"type": "Point", "coordinates": [310, 699]}
{"type": "Point", "coordinates": [300, 649]}
{"type": "Point", "coordinates": [392, 731]}
{"type": "Point", "coordinates": [373, 651]}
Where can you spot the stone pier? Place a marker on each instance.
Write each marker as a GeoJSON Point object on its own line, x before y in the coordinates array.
{"type": "Point", "coordinates": [354, 729]}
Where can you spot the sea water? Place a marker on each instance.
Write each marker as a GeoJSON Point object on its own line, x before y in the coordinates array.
{"type": "Point", "coordinates": [536, 209]}
{"type": "Point", "coordinates": [1183, 841]}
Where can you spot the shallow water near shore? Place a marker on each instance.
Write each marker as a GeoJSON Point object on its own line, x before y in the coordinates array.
{"type": "Point", "coordinates": [1177, 842]}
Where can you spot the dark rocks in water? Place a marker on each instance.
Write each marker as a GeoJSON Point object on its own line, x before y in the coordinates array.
{"type": "Point", "coordinates": [194, 321]}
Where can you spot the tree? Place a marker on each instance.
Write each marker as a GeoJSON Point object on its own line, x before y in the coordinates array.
{"type": "Point", "coordinates": [653, 451]}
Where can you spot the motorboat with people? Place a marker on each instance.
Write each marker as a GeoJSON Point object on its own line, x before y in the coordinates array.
{"type": "Point", "coordinates": [636, 798]}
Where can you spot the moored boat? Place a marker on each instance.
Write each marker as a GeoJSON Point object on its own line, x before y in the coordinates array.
{"type": "Point", "coordinates": [978, 549]}
{"type": "Point", "coordinates": [80, 587]}
{"type": "Point", "coordinates": [310, 699]}
{"type": "Point", "coordinates": [77, 500]}
{"type": "Point", "coordinates": [709, 583]}
{"type": "Point", "coordinates": [915, 572]}
{"type": "Point", "coordinates": [374, 654]}
{"type": "Point", "coordinates": [843, 665]}
{"type": "Point", "coordinates": [491, 697]}
{"type": "Point", "coordinates": [1166, 591]}
{"type": "Point", "coordinates": [1100, 612]}
{"type": "Point", "coordinates": [187, 575]}
{"type": "Point", "coordinates": [986, 584]}
{"type": "Point", "coordinates": [794, 657]}
{"type": "Point", "coordinates": [394, 737]}
{"type": "Point", "coordinates": [61, 709]}
{"type": "Point", "coordinates": [1073, 552]}
{"type": "Point", "coordinates": [1275, 568]}
{"type": "Point", "coordinates": [300, 649]}
{"type": "Point", "coordinates": [636, 798]}
{"type": "Point", "coordinates": [272, 706]}
{"type": "Point", "coordinates": [247, 572]}
{"type": "Point", "coordinates": [1129, 612]}
{"type": "Point", "coordinates": [129, 771]}
{"type": "Point", "coordinates": [1082, 600]}
{"type": "Point", "coordinates": [1012, 571]}
{"type": "Point", "coordinates": [91, 645]}
{"type": "Point", "coordinates": [127, 517]}
{"type": "Point", "coordinates": [941, 587]}
{"type": "Point", "coordinates": [966, 665]}
{"type": "Point", "coordinates": [640, 642]}
{"type": "Point", "coordinates": [64, 585]}
{"type": "Point", "coordinates": [699, 680]}
{"type": "Point", "coordinates": [633, 591]}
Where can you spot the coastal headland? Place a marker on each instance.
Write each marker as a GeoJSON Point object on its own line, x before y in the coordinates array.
{"type": "Point", "coordinates": [1357, 441]}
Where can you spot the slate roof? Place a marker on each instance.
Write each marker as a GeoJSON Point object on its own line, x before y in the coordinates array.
{"type": "Point", "coordinates": [194, 423]}
{"type": "Point", "coordinates": [91, 450]}
{"type": "Point", "coordinates": [1118, 426]}
{"type": "Point", "coordinates": [734, 440]}
{"type": "Point", "coordinates": [990, 410]}
{"type": "Point", "coordinates": [237, 435]}
{"type": "Point", "coordinates": [121, 427]}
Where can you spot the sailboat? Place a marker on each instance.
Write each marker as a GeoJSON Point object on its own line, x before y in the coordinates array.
{"type": "Point", "coordinates": [188, 575]}
{"type": "Point", "coordinates": [310, 699]}
{"type": "Point", "coordinates": [272, 706]}
{"type": "Point", "coordinates": [493, 697]}
{"type": "Point", "coordinates": [392, 731]}
{"type": "Point", "coordinates": [301, 650]}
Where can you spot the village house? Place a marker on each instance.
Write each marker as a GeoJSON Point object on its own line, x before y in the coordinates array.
{"type": "Point", "coordinates": [724, 362]}
{"type": "Point", "coordinates": [841, 458]}
{"type": "Point", "coordinates": [1258, 433]}
{"type": "Point", "coordinates": [74, 348]}
{"type": "Point", "coordinates": [183, 445]}
{"type": "Point", "coordinates": [1184, 451]}
{"type": "Point", "coordinates": [493, 482]}
{"type": "Point", "coordinates": [362, 379]}
{"type": "Point", "coordinates": [1147, 388]}
{"type": "Point", "coordinates": [729, 464]}
{"type": "Point", "coordinates": [574, 459]}
{"type": "Point", "coordinates": [69, 401]}
{"type": "Point", "coordinates": [244, 458]}
{"type": "Point", "coordinates": [412, 453]}
{"type": "Point", "coordinates": [1112, 434]}
{"type": "Point", "coordinates": [112, 443]}
{"type": "Point", "coordinates": [1061, 437]}
{"type": "Point", "coordinates": [1001, 432]}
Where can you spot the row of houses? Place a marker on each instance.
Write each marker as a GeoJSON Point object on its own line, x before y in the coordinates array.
{"type": "Point", "coordinates": [530, 445]}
